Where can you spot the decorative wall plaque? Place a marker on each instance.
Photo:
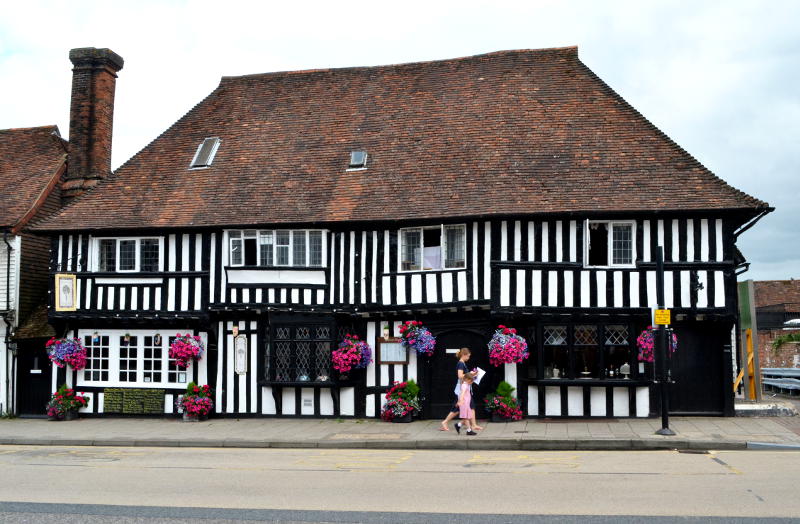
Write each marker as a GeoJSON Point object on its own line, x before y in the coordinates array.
{"type": "Point", "coordinates": [66, 289]}
{"type": "Point", "coordinates": [240, 354]}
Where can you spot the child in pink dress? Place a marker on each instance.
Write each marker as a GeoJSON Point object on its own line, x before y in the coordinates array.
{"type": "Point", "coordinates": [465, 404]}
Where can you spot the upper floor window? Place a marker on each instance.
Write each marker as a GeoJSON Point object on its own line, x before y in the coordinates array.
{"type": "Point", "coordinates": [128, 254]}
{"type": "Point", "coordinates": [610, 244]}
{"type": "Point", "coordinates": [281, 247]}
{"type": "Point", "coordinates": [435, 247]}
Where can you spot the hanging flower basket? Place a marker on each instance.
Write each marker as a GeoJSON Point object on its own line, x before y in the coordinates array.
{"type": "Point", "coordinates": [506, 347]}
{"type": "Point", "coordinates": [67, 352]}
{"type": "Point", "coordinates": [185, 349]}
{"type": "Point", "coordinates": [646, 342]}
{"type": "Point", "coordinates": [413, 335]}
{"type": "Point", "coordinates": [352, 353]}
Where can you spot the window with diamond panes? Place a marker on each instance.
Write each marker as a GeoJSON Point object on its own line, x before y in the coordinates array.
{"type": "Point", "coordinates": [585, 350]}
{"type": "Point", "coordinates": [556, 351]}
{"type": "Point", "coordinates": [299, 353]}
{"type": "Point", "coordinates": [128, 359]}
{"type": "Point", "coordinates": [617, 349]}
{"type": "Point", "coordinates": [97, 361]}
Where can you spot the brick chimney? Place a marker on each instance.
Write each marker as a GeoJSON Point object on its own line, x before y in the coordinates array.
{"type": "Point", "coordinates": [91, 118]}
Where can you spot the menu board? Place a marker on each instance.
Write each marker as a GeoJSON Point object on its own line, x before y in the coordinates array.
{"type": "Point", "coordinates": [134, 401]}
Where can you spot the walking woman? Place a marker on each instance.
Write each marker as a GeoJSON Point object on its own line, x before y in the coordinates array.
{"type": "Point", "coordinates": [463, 355]}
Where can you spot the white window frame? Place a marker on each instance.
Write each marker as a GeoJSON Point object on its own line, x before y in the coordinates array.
{"type": "Point", "coordinates": [114, 359]}
{"type": "Point", "coordinates": [258, 232]}
{"type": "Point", "coordinates": [95, 262]}
{"type": "Point", "coordinates": [609, 243]}
{"type": "Point", "coordinates": [442, 245]}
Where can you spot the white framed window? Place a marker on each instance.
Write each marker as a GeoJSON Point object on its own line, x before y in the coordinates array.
{"type": "Point", "coordinates": [128, 255]}
{"type": "Point", "coordinates": [277, 248]}
{"type": "Point", "coordinates": [136, 358]}
{"type": "Point", "coordinates": [433, 248]}
{"type": "Point", "coordinates": [610, 243]}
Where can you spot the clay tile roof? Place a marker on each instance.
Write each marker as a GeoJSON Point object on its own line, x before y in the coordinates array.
{"type": "Point", "coordinates": [29, 159]}
{"type": "Point", "coordinates": [523, 132]}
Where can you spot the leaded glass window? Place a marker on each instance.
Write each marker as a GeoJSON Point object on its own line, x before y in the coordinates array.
{"type": "Point", "coordinates": [299, 353]}
{"type": "Point", "coordinates": [315, 248]}
{"type": "Point", "coordinates": [108, 255]}
{"type": "Point", "coordinates": [129, 254]}
{"type": "Point", "coordinates": [149, 253]}
{"type": "Point", "coordinates": [281, 248]}
{"type": "Point", "coordinates": [609, 244]}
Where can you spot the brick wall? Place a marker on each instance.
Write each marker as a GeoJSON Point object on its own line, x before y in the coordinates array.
{"type": "Point", "coordinates": [91, 118]}
{"type": "Point", "coordinates": [781, 298]}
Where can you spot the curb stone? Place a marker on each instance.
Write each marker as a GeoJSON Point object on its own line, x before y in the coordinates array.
{"type": "Point", "coordinates": [602, 444]}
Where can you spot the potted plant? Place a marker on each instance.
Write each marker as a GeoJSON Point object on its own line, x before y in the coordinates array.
{"type": "Point", "coordinates": [502, 405]}
{"type": "Point", "coordinates": [352, 353]}
{"type": "Point", "coordinates": [413, 335]}
{"type": "Point", "coordinates": [67, 352]}
{"type": "Point", "coordinates": [402, 402]}
{"type": "Point", "coordinates": [186, 348]}
{"type": "Point", "coordinates": [65, 403]}
{"type": "Point", "coordinates": [646, 342]}
{"type": "Point", "coordinates": [506, 347]}
{"type": "Point", "coordinates": [196, 403]}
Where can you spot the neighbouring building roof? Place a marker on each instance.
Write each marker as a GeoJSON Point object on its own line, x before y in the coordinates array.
{"type": "Point", "coordinates": [512, 132]}
{"type": "Point", "coordinates": [778, 295]}
{"type": "Point", "coordinates": [31, 159]}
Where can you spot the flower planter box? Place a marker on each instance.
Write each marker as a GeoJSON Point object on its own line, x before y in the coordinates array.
{"type": "Point", "coordinates": [71, 415]}
{"type": "Point", "coordinates": [405, 419]}
{"type": "Point", "coordinates": [496, 417]}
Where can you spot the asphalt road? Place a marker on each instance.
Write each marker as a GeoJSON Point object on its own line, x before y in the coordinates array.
{"type": "Point", "coordinates": [90, 484]}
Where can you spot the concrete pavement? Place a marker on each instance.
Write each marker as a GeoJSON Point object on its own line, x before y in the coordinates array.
{"type": "Point", "coordinates": [531, 434]}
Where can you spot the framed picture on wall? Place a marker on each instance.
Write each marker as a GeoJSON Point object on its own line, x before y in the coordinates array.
{"type": "Point", "coordinates": [66, 288]}
{"type": "Point", "coordinates": [390, 351]}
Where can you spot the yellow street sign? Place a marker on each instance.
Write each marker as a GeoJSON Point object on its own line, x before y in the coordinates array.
{"type": "Point", "coordinates": [662, 317]}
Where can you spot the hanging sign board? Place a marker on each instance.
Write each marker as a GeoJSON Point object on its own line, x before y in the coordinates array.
{"type": "Point", "coordinates": [662, 317]}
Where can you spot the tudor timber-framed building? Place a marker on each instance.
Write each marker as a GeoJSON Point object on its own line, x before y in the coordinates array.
{"type": "Point", "coordinates": [288, 208]}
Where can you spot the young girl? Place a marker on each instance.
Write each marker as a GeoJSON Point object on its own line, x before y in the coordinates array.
{"type": "Point", "coordinates": [465, 410]}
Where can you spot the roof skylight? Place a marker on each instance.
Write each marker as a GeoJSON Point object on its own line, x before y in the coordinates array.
{"type": "Point", "coordinates": [358, 160]}
{"type": "Point", "coordinates": [205, 153]}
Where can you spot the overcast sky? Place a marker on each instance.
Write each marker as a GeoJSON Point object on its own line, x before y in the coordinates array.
{"type": "Point", "coordinates": [721, 78]}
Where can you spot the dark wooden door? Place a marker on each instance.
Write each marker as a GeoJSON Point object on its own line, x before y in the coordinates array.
{"type": "Point", "coordinates": [33, 378]}
{"type": "Point", "coordinates": [697, 368]}
{"type": "Point", "coordinates": [443, 376]}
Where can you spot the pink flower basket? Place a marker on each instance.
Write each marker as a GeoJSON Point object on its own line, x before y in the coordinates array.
{"type": "Point", "coordinates": [506, 347]}
{"type": "Point", "coordinates": [186, 348]}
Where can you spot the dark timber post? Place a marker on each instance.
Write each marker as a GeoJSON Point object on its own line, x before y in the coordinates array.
{"type": "Point", "coordinates": [661, 348]}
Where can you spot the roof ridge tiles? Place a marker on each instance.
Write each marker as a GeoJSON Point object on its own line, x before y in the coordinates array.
{"type": "Point", "coordinates": [568, 50]}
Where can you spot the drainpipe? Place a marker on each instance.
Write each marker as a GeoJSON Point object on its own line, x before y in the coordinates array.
{"type": "Point", "coordinates": [7, 318]}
